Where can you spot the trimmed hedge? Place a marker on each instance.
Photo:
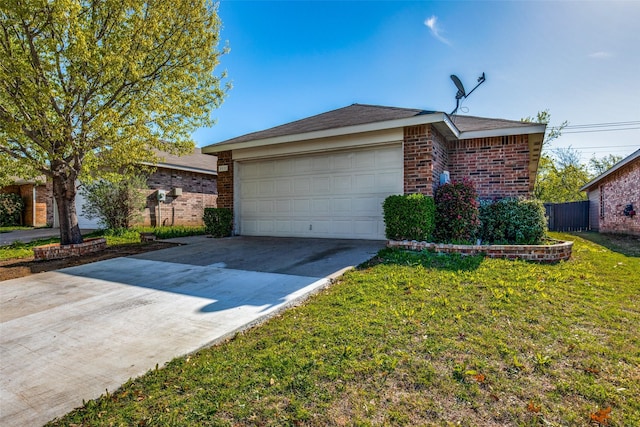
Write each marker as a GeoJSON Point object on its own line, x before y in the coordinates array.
{"type": "Point", "coordinates": [11, 207]}
{"type": "Point", "coordinates": [218, 221]}
{"type": "Point", "coordinates": [513, 221]}
{"type": "Point", "coordinates": [409, 217]}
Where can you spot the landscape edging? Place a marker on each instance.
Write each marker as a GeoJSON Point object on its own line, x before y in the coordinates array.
{"type": "Point", "coordinates": [560, 251]}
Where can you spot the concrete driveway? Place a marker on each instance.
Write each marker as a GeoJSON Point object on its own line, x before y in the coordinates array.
{"type": "Point", "coordinates": [68, 335]}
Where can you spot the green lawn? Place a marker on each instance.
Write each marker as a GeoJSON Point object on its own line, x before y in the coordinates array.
{"type": "Point", "coordinates": [124, 237]}
{"type": "Point", "coordinates": [418, 340]}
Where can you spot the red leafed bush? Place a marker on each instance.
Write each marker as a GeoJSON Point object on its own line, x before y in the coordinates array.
{"type": "Point", "coordinates": [456, 212]}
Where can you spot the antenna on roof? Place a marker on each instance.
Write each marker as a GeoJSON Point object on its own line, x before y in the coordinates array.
{"type": "Point", "coordinates": [461, 92]}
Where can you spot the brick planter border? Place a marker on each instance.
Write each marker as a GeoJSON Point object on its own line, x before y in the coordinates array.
{"type": "Point", "coordinates": [560, 251]}
{"type": "Point", "coordinates": [56, 251]}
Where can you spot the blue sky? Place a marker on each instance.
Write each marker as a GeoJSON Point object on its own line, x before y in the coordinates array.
{"type": "Point", "coordinates": [293, 59]}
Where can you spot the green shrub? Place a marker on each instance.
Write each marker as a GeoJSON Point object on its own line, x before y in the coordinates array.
{"type": "Point", "coordinates": [456, 216]}
{"type": "Point", "coordinates": [409, 217]}
{"type": "Point", "coordinates": [513, 221]}
{"type": "Point", "coordinates": [218, 221]}
{"type": "Point", "coordinates": [116, 204]}
{"type": "Point", "coordinates": [11, 206]}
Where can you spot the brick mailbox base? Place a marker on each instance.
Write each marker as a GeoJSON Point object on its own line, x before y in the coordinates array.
{"type": "Point", "coordinates": [56, 251]}
{"type": "Point", "coordinates": [560, 251]}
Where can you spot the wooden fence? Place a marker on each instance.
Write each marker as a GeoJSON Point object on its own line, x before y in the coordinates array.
{"type": "Point", "coordinates": [572, 216]}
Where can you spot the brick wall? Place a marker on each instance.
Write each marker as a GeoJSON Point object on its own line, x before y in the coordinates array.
{"type": "Point", "coordinates": [499, 166]}
{"type": "Point", "coordinates": [43, 206]}
{"type": "Point", "coordinates": [198, 192]}
{"type": "Point", "coordinates": [418, 160]}
{"type": "Point", "coordinates": [619, 189]}
{"type": "Point", "coordinates": [225, 180]}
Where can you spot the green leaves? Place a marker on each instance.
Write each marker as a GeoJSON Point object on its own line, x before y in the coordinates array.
{"type": "Point", "coordinates": [409, 217]}
{"type": "Point", "coordinates": [93, 87]}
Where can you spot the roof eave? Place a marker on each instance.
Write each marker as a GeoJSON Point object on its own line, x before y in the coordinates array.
{"type": "Point", "coordinates": [620, 164]}
{"type": "Point", "coordinates": [448, 128]}
{"type": "Point", "coordinates": [181, 168]}
{"type": "Point", "coordinates": [516, 130]}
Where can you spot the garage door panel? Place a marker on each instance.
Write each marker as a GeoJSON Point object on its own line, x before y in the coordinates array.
{"type": "Point", "coordinates": [342, 184]}
{"type": "Point", "coordinates": [341, 205]}
{"type": "Point", "coordinates": [301, 206]}
{"type": "Point", "coordinates": [302, 186]}
{"type": "Point", "coordinates": [336, 194]}
{"type": "Point", "coordinates": [321, 185]}
{"type": "Point", "coordinates": [343, 161]}
{"type": "Point", "coordinates": [320, 206]}
{"type": "Point", "coordinates": [366, 182]}
{"type": "Point", "coordinates": [388, 182]}
{"type": "Point", "coordinates": [283, 206]}
{"type": "Point", "coordinates": [283, 187]}
{"type": "Point", "coordinates": [362, 205]}
{"type": "Point", "coordinates": [365, 160]}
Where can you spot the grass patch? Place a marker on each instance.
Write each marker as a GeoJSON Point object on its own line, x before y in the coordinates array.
{"type": "Point", "coordinates": [114, 237]}
{"type": "Point", "coordinates": [172, 232]}
{"type": "Point", "coordinates": [8, 229]}
{"type": "Point", "coordinates": [624, 244]}
{"type": "Point", "coordinates": [418, 339]}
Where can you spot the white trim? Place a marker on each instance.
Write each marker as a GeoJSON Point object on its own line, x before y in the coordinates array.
{"type": "Point", "coordinates": [535, 129]}
{"type": "Point", "coordinates": [180, 168]}
{"type": "Point", "coordinates": [343, 142]}
{"type": "Point", "coordinates": [333, 132]}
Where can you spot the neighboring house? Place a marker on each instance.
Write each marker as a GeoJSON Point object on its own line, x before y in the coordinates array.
{"type": "Point", "coordinates": [189, 183]}
{"type": "Point", "coordinates": [38, 200]}
{"type": "Point", "coordinates": [327, 175]}
{"type": "Point", "coordinates": [614, 198]}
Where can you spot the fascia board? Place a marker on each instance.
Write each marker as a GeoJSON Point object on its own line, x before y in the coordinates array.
{"type": "Point", "coordinates": [328, 133]}
{"type": "Point", "coordinates": [489, 133]}
{"type": "Point", "coordinates": [180, 168]}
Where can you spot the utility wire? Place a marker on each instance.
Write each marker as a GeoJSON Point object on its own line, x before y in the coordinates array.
{"type": "Point", "coordinates": [599, 130]}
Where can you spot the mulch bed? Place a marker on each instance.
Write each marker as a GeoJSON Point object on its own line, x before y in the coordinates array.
{"type": "Point", "coordinates": [14, 268]}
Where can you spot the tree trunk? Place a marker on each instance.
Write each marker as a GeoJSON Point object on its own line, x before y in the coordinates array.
{"type": "Point", "coordinates": [64, 191]}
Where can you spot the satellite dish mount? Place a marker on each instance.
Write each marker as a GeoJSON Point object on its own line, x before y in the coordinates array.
{"type": "Point", "coordinates": [461, 94]}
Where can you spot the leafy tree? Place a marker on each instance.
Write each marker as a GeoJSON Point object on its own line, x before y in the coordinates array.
{"type": "Point", "coordinates": [117, 204]}
{"type": "Point", "coordinates": [560, 177]}
{"type": "Point", "coordinates": [600, 166]}
{"type": "Point", "coordinates": [552, 132]}
{"type": "Point", "coordinates": [95, 85]}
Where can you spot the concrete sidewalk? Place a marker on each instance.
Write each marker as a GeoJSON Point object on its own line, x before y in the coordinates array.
{"type": "Point", "coordinates": [68, 335]}
{"type": "Point", "coordinates": [26, 236]}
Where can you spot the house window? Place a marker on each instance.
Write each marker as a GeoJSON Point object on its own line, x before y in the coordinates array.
{"type": "Point", "coordinates": [602, 201]}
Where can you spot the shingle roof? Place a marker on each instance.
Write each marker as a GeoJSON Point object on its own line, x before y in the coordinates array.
{"type": "Point", "coordinates": [359, 114]}
{"type": "Point", "coordinates": [630, 158]}
{"type": "Point", "coordinates": [195, 162]}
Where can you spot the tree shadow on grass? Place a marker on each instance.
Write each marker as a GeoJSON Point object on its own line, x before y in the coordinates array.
{"type": "Point", "coordinates": [427, 259]}
{"type": "Point", "coordinates": [620, 243]}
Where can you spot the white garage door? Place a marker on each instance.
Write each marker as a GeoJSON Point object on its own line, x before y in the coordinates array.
{"type": "Point", "coordinates": [337, 194]}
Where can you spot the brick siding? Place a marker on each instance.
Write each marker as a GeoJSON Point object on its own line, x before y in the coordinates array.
{"type": "Point", "coordinates": [620, 189]}
{"type": "Point", "coordinates": [499, 166]}
{"type": "Point", "coordinates": [225, 180]}
{"type": "Point", "coordinates": [418, 160]}
{"type": "Point", "coordinates": [199, 191]}
{"type": "Point", "coordinates": [560, 251]}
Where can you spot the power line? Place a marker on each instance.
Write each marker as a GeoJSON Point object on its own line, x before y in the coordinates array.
{"type": "Point", "coordinates": [600, 130]}
{"type": "Point", "coordinates": [612, 124]}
